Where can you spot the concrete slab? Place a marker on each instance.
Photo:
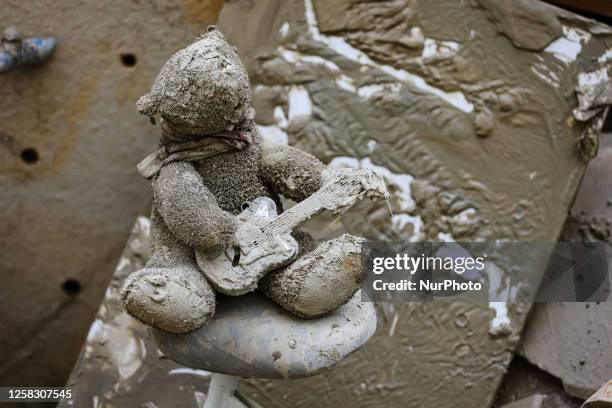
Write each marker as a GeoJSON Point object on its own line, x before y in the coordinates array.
{"type": "Point", "coordinates": [469, 119]}
{"type": "Point", "coordinates": [572, 341]}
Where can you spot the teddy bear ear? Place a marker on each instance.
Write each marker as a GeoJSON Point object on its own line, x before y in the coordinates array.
{"type": "Point", "coordinates": [147, 105]}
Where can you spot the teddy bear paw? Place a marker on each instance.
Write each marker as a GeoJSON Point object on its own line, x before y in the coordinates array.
{"type": "Point", "coordinates": [177, 300]}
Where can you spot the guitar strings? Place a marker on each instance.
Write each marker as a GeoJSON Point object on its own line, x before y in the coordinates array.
{"type": "Point", "coordinates": [389, 206]}
{"type": "Point", "coordinates": [298, 214]}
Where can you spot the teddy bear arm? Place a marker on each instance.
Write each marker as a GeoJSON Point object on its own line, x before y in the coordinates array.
{"type": "Point", "coordinates": [189, 209]}
{"type": "Point", "coordinates": [291, 172]}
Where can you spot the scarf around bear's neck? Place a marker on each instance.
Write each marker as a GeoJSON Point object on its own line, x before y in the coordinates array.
{"type": "Point", "coordinates": [193, 151]}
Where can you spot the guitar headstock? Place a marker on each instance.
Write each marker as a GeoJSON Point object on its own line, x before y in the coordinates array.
{"type": "Point", "coordinates": [373, 185]}
{"type": "Point", "coordinates": [348, 186]}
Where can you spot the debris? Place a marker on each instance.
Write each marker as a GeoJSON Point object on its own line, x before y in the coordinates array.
{"type": "Point", "coordinates": [524, 380]}
{"type": "Point", "coordinates": [15, 51]}
{"type": "Point", "coordinates": [572, 342]}
{"type": "Point", "coordinates": [602, 398]}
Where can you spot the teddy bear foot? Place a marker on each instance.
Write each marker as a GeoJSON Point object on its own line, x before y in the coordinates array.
{"type": "Point", "coordinates": [320, 281]}
{"type": "Point", "coordinates": [177, 300]}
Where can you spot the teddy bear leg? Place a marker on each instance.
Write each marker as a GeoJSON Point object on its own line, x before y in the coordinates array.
{"type": "Point", "coordinates": [319, 281]}
{"type": "Point", "coordinates": [170, 293]}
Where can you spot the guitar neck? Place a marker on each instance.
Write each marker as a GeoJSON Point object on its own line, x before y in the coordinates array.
{"type": "Point", "coordinates": [340, 192]}
{"type": "Point", "coordinates": [294, 216]}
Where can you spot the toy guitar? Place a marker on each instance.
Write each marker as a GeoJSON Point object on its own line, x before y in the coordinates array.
{"type": "Point", "coordinates": [263, 239]}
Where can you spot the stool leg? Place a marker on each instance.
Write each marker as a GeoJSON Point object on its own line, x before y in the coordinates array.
{"type": "Point", "coordinates": [221, 392]}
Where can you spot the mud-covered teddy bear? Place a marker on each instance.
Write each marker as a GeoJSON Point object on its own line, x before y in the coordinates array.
{"type": "Point", "coordinates": [210, 162]}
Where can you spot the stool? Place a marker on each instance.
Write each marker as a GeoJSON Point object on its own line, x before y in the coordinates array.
{"type": "Point", "coordinates": [250, 336]}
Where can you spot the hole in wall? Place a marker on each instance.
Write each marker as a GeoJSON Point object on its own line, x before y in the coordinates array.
{"type": "Point", "coordinates": [128, 59]}
{"type": "Point", "coordinates": [71, 286]}
{"type": "Point", "coordinates": [29, 155]}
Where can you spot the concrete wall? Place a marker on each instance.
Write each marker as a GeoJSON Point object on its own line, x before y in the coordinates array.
{"type": "Point", "coordinates": [70, 139]}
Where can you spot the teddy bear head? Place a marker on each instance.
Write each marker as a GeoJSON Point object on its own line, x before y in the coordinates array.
{"type": "Point", "coordinates": [202, 89]}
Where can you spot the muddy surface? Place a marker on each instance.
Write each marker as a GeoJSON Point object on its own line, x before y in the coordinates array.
{"type": "Point", "coordinates": [474, 127]}
{"type": "Point", "coordinates": [119, 365]}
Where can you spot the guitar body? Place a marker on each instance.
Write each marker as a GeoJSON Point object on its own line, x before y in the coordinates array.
{"type": "Point", "coordinates": [263, 238]}
{"type": "Point", "coordinates": [237, 270]}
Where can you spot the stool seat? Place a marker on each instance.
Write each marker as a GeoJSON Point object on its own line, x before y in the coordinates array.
{"type": "Point", "coordinates": [250, 336]}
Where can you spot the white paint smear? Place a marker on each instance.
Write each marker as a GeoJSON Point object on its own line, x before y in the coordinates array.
{"type": "Point", "coordinates": [346, 82]}
{"type": "Point", "coordinates": [393, 324]}
{"type": "Point", "coordinates": [95, 330]}
{"type": "Point", "coordinates": [564, 49]}
{"type": "Point", "coordinates": [545, 74]}
{"type": "Point", "coordinates": [402, 181]}
{"type": "Point", "coordinates": [274, 134]}
{"type": "Point", "coordinates": [279, 117]}
{"type": "Point", "coordinates": [299, 105]}
{"type": "Point", "coordinates": [299, 102]}
{"type": "Point", "coordinates": [372, 145]}
{"type": "Point", "coordinates": [605, 57]}
{"type": "Point", "coordinates": [500, 287]}
{"type": "Point", "coordinates": [126, 353]}
{"type": "Point", "coordinates": [400, 221]}
{"type": "Point", "coordinates": [343, 81]}
{"type": "Point", "coordinates": [367, 91]}
{"type": "Point", "coordinates": [339, 44]}
{"type": "Point", "coordinates": [466, 215]}
{"type": "Point", "coordinates": [501, 321]}
{"type": "Point", "coordinates": [295, 57]}
{"type": "Point", "coordinates": [445, 237]}
{"type": "Point", "coordinates": [434, 48]}
{"type": "Point", "coordinates": [284, 30]}
{"type": "Point", "coordinates": [144, 224]}
{"type": "Point", "coordinates": [568, 47]}
{"type": "Point", "coordinates": [123, 262]}
{"type": "Point", "coordinates": [190, 371]}
{"type": "Point", "coordinates": [593, 78]}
